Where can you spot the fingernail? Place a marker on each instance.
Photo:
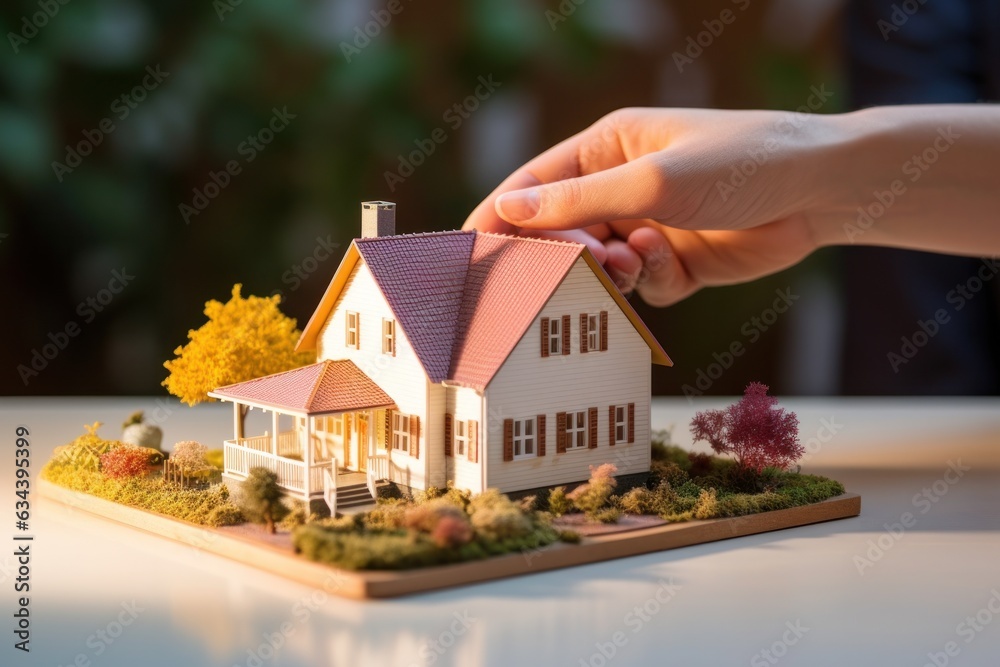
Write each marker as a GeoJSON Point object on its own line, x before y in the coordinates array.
{"type": "Point", "coordinates": [518, 206]}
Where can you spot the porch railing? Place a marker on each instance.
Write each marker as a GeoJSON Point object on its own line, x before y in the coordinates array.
{"type": "Point", "coordinates": [239, 459]}
{"type": "Point", "coordinates": [330, 487]}
{"type": "Point", "coordinates": [378, 469]}
{"type": "Point", "coordinates": [288, 444]}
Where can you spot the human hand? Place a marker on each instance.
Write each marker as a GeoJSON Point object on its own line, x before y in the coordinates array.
{"type": "Point", "coordinates": [672, 200]}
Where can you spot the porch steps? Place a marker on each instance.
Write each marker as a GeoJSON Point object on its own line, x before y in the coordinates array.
{"type": "Point", "coordinates": [352, 495]}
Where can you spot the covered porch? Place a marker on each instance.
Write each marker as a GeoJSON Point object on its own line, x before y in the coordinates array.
{"type": "Point", "coordinates": [326, 430]}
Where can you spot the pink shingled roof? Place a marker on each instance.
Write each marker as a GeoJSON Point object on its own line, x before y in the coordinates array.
{"type": "Point", "coordinates": [423, 278]}
{"type": "Point", "coordinates": [325, 387]}
{"type": "Point", "coordinates": [510, 279]}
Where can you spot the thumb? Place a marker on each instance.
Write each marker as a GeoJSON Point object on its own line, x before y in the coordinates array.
{"type": "Point", "coordinates": [635, 189]}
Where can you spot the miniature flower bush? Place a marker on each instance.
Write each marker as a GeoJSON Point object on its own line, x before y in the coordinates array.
{"type": "Point", "coordinates": [592, 497]}
{"type": "Point", "coordinates": [189, 455]}
{"type": "Point", "coordinates": [124, 461]}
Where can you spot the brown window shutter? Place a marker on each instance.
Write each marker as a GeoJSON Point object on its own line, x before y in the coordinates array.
{"type": "Point", "coordinates": [604, 330]}
{"type": "Point", "coordinates": [415, 436]}
{"type": "Point", "coordinates": [611, 426]}
{"type": "Point", "coordinates": [583, 332]}
{"type": "Point", "coordinates": [388, 428]}
{"type": "Point", "coordinates": [508, 439]}
{"type": "Point", "coordinates": [631, 422]}
{"type": "Point", "coordinates": [472, 432]}
{"type": "Point", "coordinates": [540, 437]}
{"type": "Point", "coordinates": [448, 435]}
{"type": "Point", "coordinates": [545, 336]}
{"type": "Point", "coordinates": [357, 328]}
{"type": "Point", "coordinates": [560, 433]}
{"type": "Point", "coordinates": [592, 427]}
{"type": "Point", "coordinates": [565, 334]}
{"type": "Point", "coordinates": [347, 440]}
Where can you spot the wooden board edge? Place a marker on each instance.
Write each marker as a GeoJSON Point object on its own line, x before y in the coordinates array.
{"type": "Point", "coordinates": [388, 584]}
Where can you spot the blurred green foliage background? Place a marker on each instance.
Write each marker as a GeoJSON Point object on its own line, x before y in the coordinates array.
{"type": "Point", "coordinates": [228, 65]}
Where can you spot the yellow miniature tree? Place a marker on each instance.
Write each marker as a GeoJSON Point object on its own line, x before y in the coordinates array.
{"type": "Point", "coordinates": [244, 338]}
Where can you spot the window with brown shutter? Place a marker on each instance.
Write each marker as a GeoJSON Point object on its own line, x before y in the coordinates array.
{"type": "Point", "coordinates": [611, 426]}
{"type": "Point", "coordinates": [388, 428]}
{"type": "Point", "coordinates": [583, 333]}
{"type": "Point", "coordinates": [447, 434]}
{"type": "Point", "coordinates": [473, 432]}
{"type": "Point", "coordinates": [541, 434]}
{"type": "Point", "coordinates": [631, 422]}
{"type": "Point", "coordinates": [604, 330]}
{"type": "Point", "coordinates": [560, 433]}
{"type": "Point", "coordinates": [545, 336]}
{"type": "Point", "coordinates": [592, 427]}
{"type": "Point", "coordinates": [415, 436]}
{"type": "Point", "coordinates": [565, 334]}
{"type": "Point", "coordinates": [508, 439]}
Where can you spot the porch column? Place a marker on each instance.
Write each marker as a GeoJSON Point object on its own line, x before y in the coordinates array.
{"type": "Point", "coordinates": [274, 432]}
{"type": "Point", "coordinates": [307, 458]}
{"type": "Point", "coordinates": [372, 430]}
{"type": "Point", "coordinates": [237, 422]}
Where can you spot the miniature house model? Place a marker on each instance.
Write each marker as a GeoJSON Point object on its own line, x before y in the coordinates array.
{"type": "Point", "coordinates": [459, 357]}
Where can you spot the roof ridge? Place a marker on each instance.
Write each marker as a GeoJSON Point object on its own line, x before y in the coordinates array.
{"type": "Point", "coordinates": [535, 239]}
{"type": "Point", "coordinates": [319, 381]}
{"type": "Point", "coordinates": [443, 232]}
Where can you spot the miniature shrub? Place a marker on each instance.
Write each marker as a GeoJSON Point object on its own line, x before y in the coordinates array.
{"type": "Point", "coordinates": [215, 458]}
{"type": "Point", "coordinates": [559, 504]}
{"type": "Point", "coordinates": [426, 516]}
{"type": "Point", "coordinates": [189, 455]}
{"type": "Point", "coordinates": [501, 523]}
{"type": "Point", "coordinates": [639, 500]}
{"type": "Point", "coordinates": [261, 498]}
{"type": "Point", "coordinates": [607, 515]}
{"type": "Point", "coordinates": [664, 471]}
{"type": "Point", "coordinates": [569, 536]}
{"type": "Point", "coordinates": [452, 531]}
{"type": "Point", "coordinates": [594, 495]}
{"type": "Point", "coordinates": [225, 514]}
{"type": "Point", "coordinates": [123, 462]}
{"type": "Point", "coordinates": [707, 505]}
{"type": "Point", "coordinates": [297, 515]}
{"type": "Point", "coordinates": [387, 515]}
{"type": "Point", "coordinates": [85, 452]}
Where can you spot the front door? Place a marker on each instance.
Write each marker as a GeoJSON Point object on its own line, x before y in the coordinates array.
{"type": "Point", "coordinates": [362, 431]}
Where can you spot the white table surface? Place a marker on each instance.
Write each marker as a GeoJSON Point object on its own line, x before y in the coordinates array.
{"type": "Point", "coordinates": [733, 599]}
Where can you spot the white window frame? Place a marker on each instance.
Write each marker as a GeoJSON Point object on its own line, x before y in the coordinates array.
{"type": "Point", "coordinates": [576, 430]}
{"type": "Point", "coordinates": [389, 337]}
{"type": "Point", "coordinates": [593, 332]}
{"type": "Point", "coordinates": [461, 437]}
{"type": "Point", "coordinates": [621, 424]}
{"type": "Point", "coordinates": [353, 335]}
{"type": "Point", "coordinates": [555, 336]}
{"type": "Point", "coordinates": [401, 432]}
{"type": "Point", "coordinates": [521, 439]}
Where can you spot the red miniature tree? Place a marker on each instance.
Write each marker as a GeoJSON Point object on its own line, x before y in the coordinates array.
{"type": "Point", "coordinates": [124, 462]}
{"type": "Point", "coordinates": [754, 429]}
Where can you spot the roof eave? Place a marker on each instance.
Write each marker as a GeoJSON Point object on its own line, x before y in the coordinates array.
{"type": "Point", "coordinates": [307, 341]}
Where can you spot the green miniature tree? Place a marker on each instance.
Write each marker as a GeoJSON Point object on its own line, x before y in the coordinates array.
{"type": "Point", "coordinates": [261, 498]}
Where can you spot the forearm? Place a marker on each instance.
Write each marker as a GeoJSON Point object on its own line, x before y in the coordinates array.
{"type": "Point", "coordinates": [922, 177]}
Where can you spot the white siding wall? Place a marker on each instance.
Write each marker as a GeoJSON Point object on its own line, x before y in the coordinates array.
{"type": "Point", "coordinates": [401, 376]}
{"type": "Point", "coordinates": [529, 384]}
{"type": "Point", "coordinates": [465, 404]}
{"type": "Point", "coordinates": [434, 435]}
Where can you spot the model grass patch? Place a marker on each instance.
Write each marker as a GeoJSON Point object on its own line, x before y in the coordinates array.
{"type": "Point", "coordinates": [125, 474]}
{"type": "Point", "coordinates": [436, 528]}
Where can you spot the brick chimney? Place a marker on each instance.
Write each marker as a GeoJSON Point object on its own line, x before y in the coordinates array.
{"type": "Point", "coordinates": [378, 219]}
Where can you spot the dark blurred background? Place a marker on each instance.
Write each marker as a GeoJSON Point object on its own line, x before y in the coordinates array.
{"type": "Point", "coordinates": [184, 87]}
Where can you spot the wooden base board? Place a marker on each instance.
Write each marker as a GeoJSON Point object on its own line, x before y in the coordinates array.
{"type": "Point", "coordinates": [364, 585]}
